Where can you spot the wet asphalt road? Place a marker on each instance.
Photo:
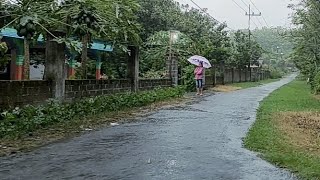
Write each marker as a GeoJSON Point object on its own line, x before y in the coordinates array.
{"type": "Point", "coordinates": [202, 140]}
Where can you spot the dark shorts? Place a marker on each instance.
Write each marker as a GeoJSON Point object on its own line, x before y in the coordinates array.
{"type": "Point", "coordinates": [199, 83]}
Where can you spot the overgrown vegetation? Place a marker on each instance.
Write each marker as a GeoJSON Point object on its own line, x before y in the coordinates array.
{"type": "Point", "coordinates": [22, 121]}
{"type": "Point", "coordinates": [161, 26]}
{"type": "Point", "coordinates": [306, 37]}
{"type": "Point", "coordinates": [185, 31]}
{"type": "Point", "coordinates": [276, 73]}
{"type": "Point", "coordinates": [81, 20]}
{"type": "Point", "coordinates": [245, 85]}
{"type": "Point", "coordinates": [283, 123]}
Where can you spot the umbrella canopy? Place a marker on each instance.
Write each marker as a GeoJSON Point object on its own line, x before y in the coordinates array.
{"type": "Point", "coordinates": [196, 60]}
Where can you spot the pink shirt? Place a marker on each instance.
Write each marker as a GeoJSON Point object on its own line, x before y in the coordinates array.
{"type": "Point", "coordinates": [198, 72]}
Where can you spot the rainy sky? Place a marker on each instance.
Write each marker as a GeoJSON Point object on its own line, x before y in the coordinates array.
{"type": "Point", "coordinates": [275, 12]}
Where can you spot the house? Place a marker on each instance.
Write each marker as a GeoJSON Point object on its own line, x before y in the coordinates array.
{"type": "Point", "coordinates": [14, 69]}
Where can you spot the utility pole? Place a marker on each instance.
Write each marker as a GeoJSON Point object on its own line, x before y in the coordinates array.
{"type": "Point", "coordinates": [250, 14]}
{"type": "Point", "coordinates": [172, 66]}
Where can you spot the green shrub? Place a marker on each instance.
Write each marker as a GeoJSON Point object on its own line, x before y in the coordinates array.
{"type": "Point", "coordinates": [275, 74]}
{"type": "Point", "coordinates": [188, 78]}
{"type": "Point", "coordinates": [316, 83]}
{"type": "Point", "coordinates": [19, 122]}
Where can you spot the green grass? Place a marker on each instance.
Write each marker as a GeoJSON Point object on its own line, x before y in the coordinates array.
{"type": "Point", "coordinates": [265, 138]}
{"type": "Point", "coordinates": [245, 85]}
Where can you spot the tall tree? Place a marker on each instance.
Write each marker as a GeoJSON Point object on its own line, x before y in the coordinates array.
{"type": "Point", "coordinates": [306, 38]}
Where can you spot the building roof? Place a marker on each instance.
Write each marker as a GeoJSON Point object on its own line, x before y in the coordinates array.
{"type": "Point", "coordinates": [97, 45]}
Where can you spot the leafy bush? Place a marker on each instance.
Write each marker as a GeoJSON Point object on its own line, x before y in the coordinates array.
{"type": "Point", "coordinates": [188, 78]}
{"type": "Point", "coordinates": [19, 122]}
{"type": "Point", "coordinates": [316, 83]}
{"type": "Point", "coordinates": [275, 74]}
{"type": "Point", "coordinates": [154, 74]}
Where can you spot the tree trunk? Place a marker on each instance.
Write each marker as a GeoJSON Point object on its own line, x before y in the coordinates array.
{"type": "Point", "coordinates": [240, 75]}
{"type": "Point", "coordinates": [55, 70]}
{"type": "Point", "coordinates": [214, 70]}
{"type": "Point", "coordinates": [84, 55]}
{"type": "Point", "coordinates": [26, 66]}
{"type": "Point", "coordinates": [222, 67]}
{"type": "Point", "coordinates": [133, 68]}
{"type": "Point", "coordinates": [250, 72]}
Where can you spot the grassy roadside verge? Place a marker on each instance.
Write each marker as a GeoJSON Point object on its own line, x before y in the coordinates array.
{"type": "Point", "coordinates": [287, 130]}
{"type": "Point", "coordinates": [33, 126]}
{"type": "Point", "coordinates": [245, 85]}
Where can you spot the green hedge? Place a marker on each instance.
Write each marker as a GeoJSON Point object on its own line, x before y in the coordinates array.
{"type": "Point", "coordinates": [188, 78]}
{"type": "Point", "coordinates": [275, 74]}
{"type": "Point", "coordinates": [22, 121]}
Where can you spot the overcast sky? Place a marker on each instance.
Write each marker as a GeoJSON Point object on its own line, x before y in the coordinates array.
{"type": "Point", "coordinates": [275, 12]}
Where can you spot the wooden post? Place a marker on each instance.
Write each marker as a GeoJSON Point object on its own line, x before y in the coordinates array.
{"type": "Point", "coordinates": [232, 75]}
{"type": "Point", "coordinates": [174, 70]}
{"type": "Point", "coordinates": [84, 59]}
{"type": "Point", "coordinates": [240, 75]}
{"type": "Point", "coordinates": [133, 68]}
{"type": "Point", "coordinates": [215, 75]}
{"type": "Point", "coordinates": [19, 60]}
{"type": "Point", "coordinates": [55, 65]}
{"type": "Point", "coordinates": [13, 65]}
{"type": "Point", "coordinates": [98, 66]}
{"type": "Point", "coordinates": [26, 64]}
{"type": "Point", "coordinates": [72, 64]}
{"type": "Point", "coordinates": [223, 72]}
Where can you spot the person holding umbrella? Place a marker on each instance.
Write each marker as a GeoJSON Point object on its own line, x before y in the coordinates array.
{"type": "Point", "coordinates": [198, 72]}
{"type": "Point", "coordinates": [201, 64]}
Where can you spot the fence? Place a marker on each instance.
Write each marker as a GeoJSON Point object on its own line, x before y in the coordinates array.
{"type": "Point", "coordinates": [236, 75]}
{"type": "Point", "coordinates": [19, 93]}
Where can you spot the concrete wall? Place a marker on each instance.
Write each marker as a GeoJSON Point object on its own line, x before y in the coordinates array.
{"type": "Point", "coordinates": [236, 75]}
{"type": "Point", "coordinates": [89, 88]}
{"type": "Point", "coordinates": [148, 84]}
{"type": "Point", "coordinates": [19, 93]}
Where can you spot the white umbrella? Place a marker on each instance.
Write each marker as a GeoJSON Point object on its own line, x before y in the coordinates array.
{"type": "Point", "coordinates": [196, 60]}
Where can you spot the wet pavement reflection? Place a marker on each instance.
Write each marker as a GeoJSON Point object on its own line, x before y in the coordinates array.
{"type": "Point", "coordinates": [202, 140]}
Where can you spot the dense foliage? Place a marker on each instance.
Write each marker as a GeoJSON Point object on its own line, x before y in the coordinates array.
{"type": "Point", "coordinates": [160, 26]}
{"type": "Point", "coordinates": [82, 20]}
{"type": "Point", "coordinates": [274, 41]}
{"type": "Point", "coordinates": [306, 37]}
{"type": "Point", "coordinates": [195, 32]}
{"type": "Point", "coordinates": [22, 121]}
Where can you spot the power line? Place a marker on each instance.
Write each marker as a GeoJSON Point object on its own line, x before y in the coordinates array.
{"type": "Point", "coordinates": [255, 23]}
{"type": "Point", "coordinates": [255, 6]}
{"type": "Point", "coordinates": [260, 22]}
{"type": "Point", "coordinates": [249, 14]}
{"type": "Point", "coordinates": [208, 14]}
{"type": "Point", "coordinates": [252, 14]}
{"type": "Point", "coordinates": [246, 11]}
{"type": "Point", "coordinates": [245, 4]}
{"type": "Point", "coordinates": [204, 11]}
{"type": "Point", "coordinates": [239, 6]}
{"type": "Point", "coordinates": [252, 19]}
{"type": "Point", "coordinates": [264, 19]}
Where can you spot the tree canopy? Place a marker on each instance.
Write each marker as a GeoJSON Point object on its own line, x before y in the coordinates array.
{"type": "Point", "coordinates": [199, 34]}
{"type": "Point", "coordinates": [138, 22]}
{"type": "Point", "coordinates": [305, 38]}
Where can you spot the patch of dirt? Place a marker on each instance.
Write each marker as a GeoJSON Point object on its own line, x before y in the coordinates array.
{"type": "Point", "coordinates": [302, 129]}
{"type": "Point", "coordinates": [225, 88]}
{"type": "Point", "coordinates": [77, 127]}
{"type": "Point", "coordinates": [317, 97]}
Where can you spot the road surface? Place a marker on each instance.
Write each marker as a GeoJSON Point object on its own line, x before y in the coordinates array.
{"type": "Point", "coordinates": [201, 140]}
